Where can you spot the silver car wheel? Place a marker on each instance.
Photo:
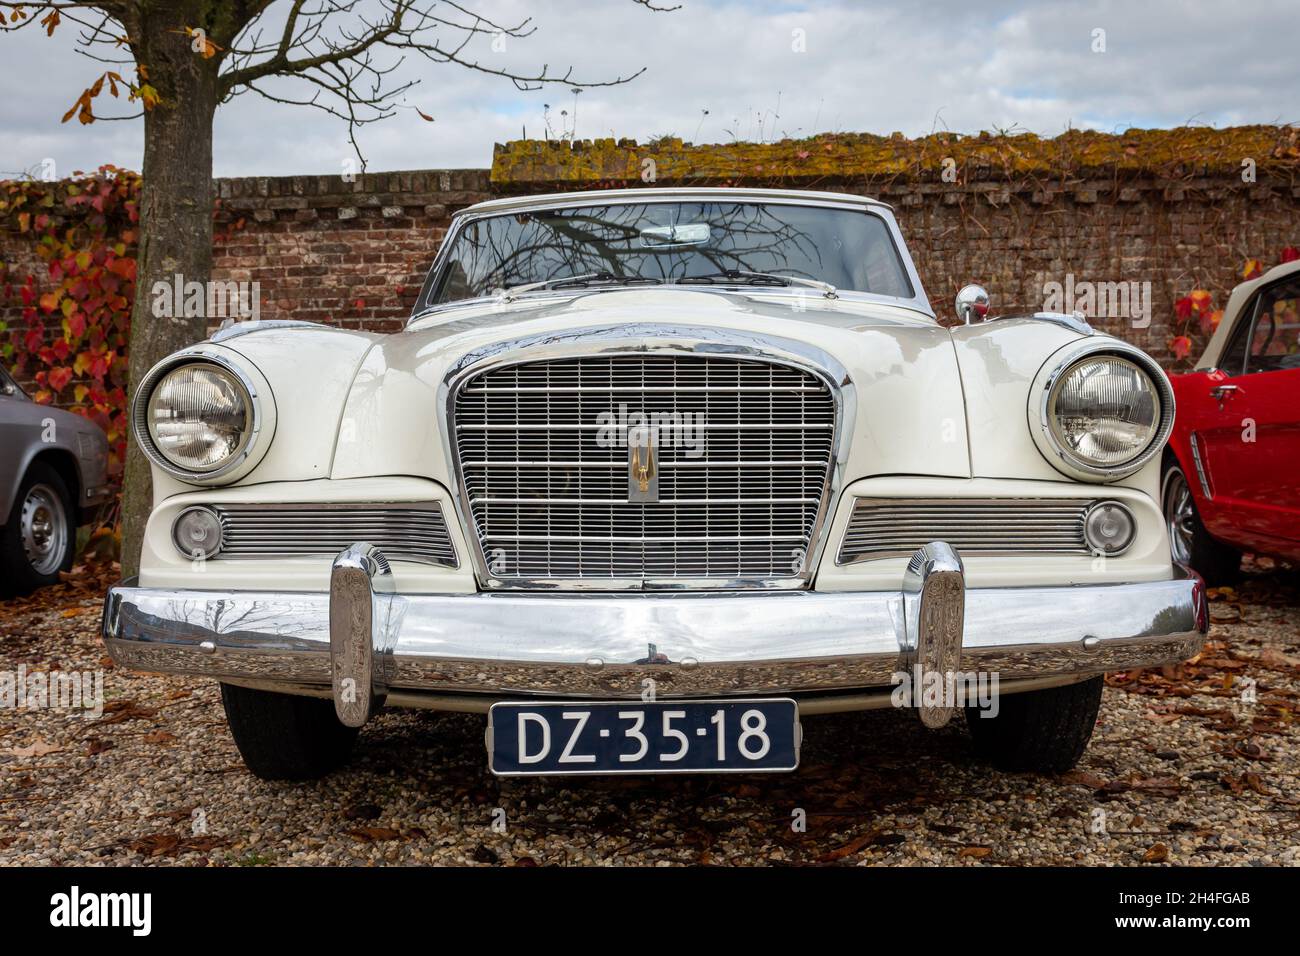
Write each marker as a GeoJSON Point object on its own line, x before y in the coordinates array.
{"type": "Point", "coordinates": [44, 529]}
{"type": "Point", "coordinates": [1180, 515]}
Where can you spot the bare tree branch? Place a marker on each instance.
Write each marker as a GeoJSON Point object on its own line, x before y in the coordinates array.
{"type": "Point", "coordinates": [348, 50]}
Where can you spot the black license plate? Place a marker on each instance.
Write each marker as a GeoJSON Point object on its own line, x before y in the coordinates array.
{"type": "Point", "coordinates": [681, 736]}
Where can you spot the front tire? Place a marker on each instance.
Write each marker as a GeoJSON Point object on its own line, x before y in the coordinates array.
{"type": "Point", "coordinates": [1189, 542]}
{"type": "Point", "coordinates": [40, 536]}
{"type": "Point", "coordinates": [286, 736]}
{"type": "Point", "coordinates": [1042, 731]}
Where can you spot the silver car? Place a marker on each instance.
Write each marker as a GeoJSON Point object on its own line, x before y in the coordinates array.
{"type": "Point", "coordinates": [53, 472]}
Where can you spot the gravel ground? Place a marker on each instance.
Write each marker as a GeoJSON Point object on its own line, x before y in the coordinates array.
{"type": "Point", "coordinates": [1181, 770]}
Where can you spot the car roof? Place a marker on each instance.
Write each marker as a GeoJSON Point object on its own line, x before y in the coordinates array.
{"type": "Point", "coordinates": [801, 197]}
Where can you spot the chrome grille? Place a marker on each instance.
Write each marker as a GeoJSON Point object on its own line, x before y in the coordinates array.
{"type": "Point", "coordinates": [880, 528]}
{"type": "Point", "coordinates": [548, 490]}
{"type": "Point", "coordinates": [414, 532]}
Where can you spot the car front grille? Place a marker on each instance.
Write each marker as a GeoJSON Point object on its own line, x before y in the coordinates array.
{"type": "Point", "coordinates": [545, 466]}
{"type": "Point", "coordinates": [881, 528]}
{"type": "Point", "coordinates": [404, 532]}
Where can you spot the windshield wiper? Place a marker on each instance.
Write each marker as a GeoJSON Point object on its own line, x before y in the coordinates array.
{"type": "Point", "coordinates": [734, 275]}
{"type": "Point", "coordinates": [556, 282]}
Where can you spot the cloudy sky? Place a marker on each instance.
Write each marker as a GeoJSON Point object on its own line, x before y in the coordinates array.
{"type": "Point", "coordinates": [718, 71]}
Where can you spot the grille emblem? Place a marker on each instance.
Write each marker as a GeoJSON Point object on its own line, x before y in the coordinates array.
{"type": "Point", "coordinates": [642, 470]}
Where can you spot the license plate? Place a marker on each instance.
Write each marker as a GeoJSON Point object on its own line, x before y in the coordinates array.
{"type": "Point", "coordinates": [682, 736]}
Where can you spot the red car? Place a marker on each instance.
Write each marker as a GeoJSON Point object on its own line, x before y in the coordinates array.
{"type": "Point", "coordinates": [1232, 469]}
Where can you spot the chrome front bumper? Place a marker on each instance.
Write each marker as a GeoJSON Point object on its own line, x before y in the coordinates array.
{"type": "Point", "coordinates": [364, 641]}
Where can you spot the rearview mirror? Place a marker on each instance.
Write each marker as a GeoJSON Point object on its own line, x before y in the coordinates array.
{"type": "Point", "coordinates": [972, 304]}
{"type": "Point", "coordinates": [686, 234]}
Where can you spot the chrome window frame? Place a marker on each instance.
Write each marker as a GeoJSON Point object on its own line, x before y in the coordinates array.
{"type": "Point", "coordinates": [653, 339]}
{"type": "Point", "coordinates": [918, 302]}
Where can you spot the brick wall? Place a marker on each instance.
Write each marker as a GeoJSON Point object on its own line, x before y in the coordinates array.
{"type": "Point", "coordinates": [1196, 234]}
{"type": "Point", "coordinates": [1166, 207]}
{"type": "Point", "coordinates": [1173, 208]}
{"type": "Point", "coordinates": [352, 254]}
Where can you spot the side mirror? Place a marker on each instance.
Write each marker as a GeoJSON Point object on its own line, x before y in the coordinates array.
{"type": "Point", "coordinates": [972, 304]}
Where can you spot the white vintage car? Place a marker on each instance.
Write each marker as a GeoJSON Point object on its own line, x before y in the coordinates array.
{"type": "Point", "coordinates": [648, 476]}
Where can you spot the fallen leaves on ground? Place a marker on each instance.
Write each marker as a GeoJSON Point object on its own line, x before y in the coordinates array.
{"type": "Point", "coordinates": [79, 591]}
{"type": "Point", "coordinates": [171, 844]}
{"type": "Point", "coordinates": [1158, 853]}
{"type": "Point", "coordinates": [37, 748]}
{"type": "Point", "coordinates": [374, 834]}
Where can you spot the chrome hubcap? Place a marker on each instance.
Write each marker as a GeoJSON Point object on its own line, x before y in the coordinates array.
{"type": "Point", "coordinates": [44, 529]}
{"type": "Point", "coordinates": [1180, 516]}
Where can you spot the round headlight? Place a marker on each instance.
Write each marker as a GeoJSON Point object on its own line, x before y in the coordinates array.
{"type": "Point", "coordinates": [1104, 411]}
{"type": "Point", "coordinates": [200, 417]}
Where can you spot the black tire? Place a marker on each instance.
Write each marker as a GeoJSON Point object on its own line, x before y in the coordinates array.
{"type": "Point", "coordinates": [1043, 731]}
{"type": "Point", "coordinates": [1189, 542]}
{"type": "Point", "coordinates": [44, 507]}
{"type": "Point", "coordinates": [286, 736]}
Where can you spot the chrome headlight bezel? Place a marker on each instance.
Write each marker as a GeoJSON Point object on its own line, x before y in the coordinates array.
{"type": "Point", "coordinates": [261, 416]}
{"type": "Point", "coordinates": [1046, 387]}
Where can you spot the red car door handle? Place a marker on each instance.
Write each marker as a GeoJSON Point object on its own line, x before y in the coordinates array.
{"type": "Point", "coordinates": [1220, 392]}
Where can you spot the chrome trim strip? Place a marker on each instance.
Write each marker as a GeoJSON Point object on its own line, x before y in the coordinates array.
{"type": "Point", "coordinates": [234, 330]}
{"type": "Point", "coordinates": [605, 645]}
{"type": "Point", "coordinates": [814, 704]}
{"type": "Point", "coordinates": [649, 339]}
{"type": "Point", "coordinates": [407, 530]}
{"type": "Point", "coordinates": [587, 197]}
{"type": "Point", "coordinates": [1201, 476]}
{"type": "Point", "coordinates": [1074, 321]}
{"type": "Point", "coordinates": [1008, 526]}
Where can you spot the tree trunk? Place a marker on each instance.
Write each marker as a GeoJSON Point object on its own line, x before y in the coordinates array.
{"type": "Point", "coordinates": [176, 207]}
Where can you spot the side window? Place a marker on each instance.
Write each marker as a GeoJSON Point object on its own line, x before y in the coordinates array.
{"type": "Point", "coordinates": [1275, 335]}
{"type": "Point", "coordinates": [1233, 360]}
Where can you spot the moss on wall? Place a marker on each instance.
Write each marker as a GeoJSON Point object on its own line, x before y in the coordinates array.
{"type": "Point", "coordinates": [1171, 154]}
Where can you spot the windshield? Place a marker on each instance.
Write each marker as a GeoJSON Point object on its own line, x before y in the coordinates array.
{"type": "Point", "coordinates": [673, 242]}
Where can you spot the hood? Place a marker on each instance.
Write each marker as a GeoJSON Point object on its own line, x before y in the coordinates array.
{"type": "Point", "coordinates": [918, 398]}
{"type": "Point", "coordinates": [901, 366]}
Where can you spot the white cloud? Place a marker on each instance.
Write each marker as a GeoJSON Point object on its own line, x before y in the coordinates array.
{"type": "Point", "coordinates": [894, 65]}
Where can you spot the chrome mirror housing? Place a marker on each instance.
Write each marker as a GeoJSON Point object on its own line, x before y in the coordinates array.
{"type": "Point", "coordinates": [972, 304]}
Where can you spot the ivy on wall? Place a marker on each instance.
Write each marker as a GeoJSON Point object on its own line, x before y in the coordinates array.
{"type": "Point", "coordinates": [75, 308]}
{"type": "Point", "coordinates": [1196, 316]}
